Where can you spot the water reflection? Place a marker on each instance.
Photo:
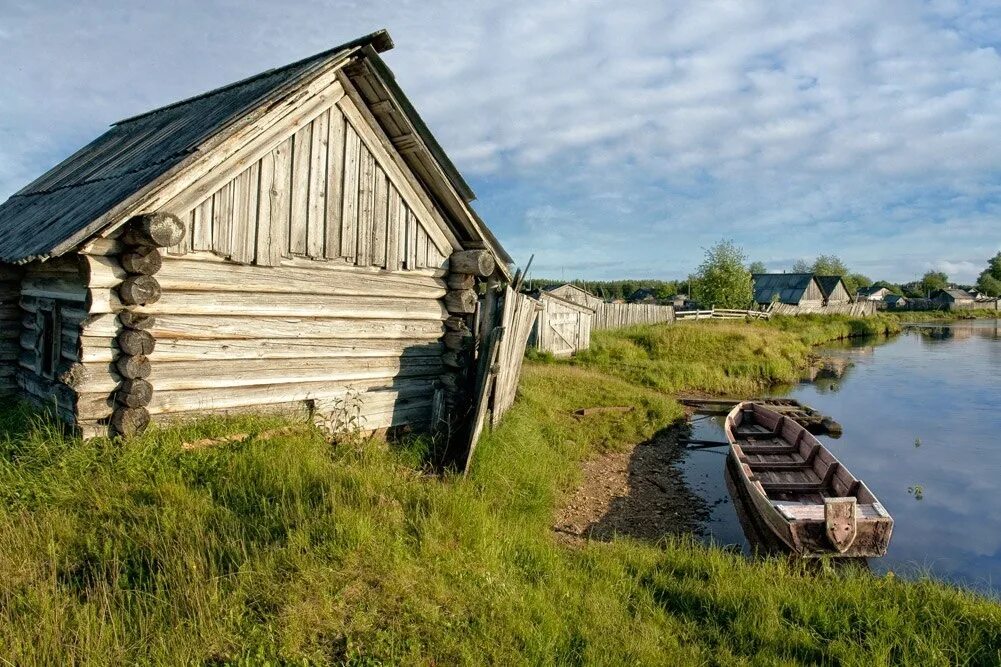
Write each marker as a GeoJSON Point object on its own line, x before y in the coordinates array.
{"type": "Point", "coordinates": [921, 424]}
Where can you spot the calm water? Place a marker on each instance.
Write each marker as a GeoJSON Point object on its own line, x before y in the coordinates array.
{"type": "Point", "coordinates": [922, 426]}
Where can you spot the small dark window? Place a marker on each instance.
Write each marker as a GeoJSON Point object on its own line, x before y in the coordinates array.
{"type": "Point", "coordinates": [49, 329]}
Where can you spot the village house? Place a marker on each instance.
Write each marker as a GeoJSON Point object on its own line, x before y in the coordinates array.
{"type": "Point", "coordinates": [834, 290]}
{"type": "Point", "coordinates": [953, 298]}
{"type": "Point", "coordinates": [297, 240]}
{"type": "Point", "coordinates": [893, 301]}
{"type": "Point", "coordinates": [794, 289]}
{"type": "Point", "coordinates": [643, 295]}
{"type": "Point", "coordinates": [873, 293]}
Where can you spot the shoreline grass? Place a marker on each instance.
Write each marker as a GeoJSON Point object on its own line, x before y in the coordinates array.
{"type": "Point", "coordinates": [287, 550]}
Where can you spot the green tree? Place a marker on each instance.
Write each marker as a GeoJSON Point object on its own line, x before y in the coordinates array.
{"type": "Point", "coordinates": [801, 266]}
{"type": "Point", "coordinates": [855, 281]}
{"type": "Point", "coordinates": [757, 267]}
{"type": "Point", "coordinates": [989, 281]}
{"type": "Point", "coordinates": [723, 279]}
{"type": "Point", "coordinates": [829, 265]}
{"type": "Point", "coordinates": [932, 281]}
{"type": "Point", "coordinates": [896, 289]}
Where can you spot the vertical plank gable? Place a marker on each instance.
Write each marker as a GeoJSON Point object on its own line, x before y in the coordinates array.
{"type": "Point", "coordinates": [379, 219]}
{"type": "Point", "coordinates": [349, 218]}
{"type": "Point", "coordinates": [301, 145]}
{"type": "Point", "coordinates": [366, 209]}
{"type": "Point", "coordinates": [275, 201]}
{"type": "Point", "coordinates": [395, 224]}
{"type": "Point", "coordinates": [315, 230]}
{"type": "Point", "coordinates": [201, 233]}
{"type": "Point", "coordinates": [222, 220]}
{"type": "Point", "coordinates": [335, 182]}
{"type": "Point", "coordinates": [245, 188]}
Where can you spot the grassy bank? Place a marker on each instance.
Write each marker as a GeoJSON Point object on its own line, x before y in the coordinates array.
{"type": "Point", "coordinates": [943, 315]}
{"type": "Point", "coordinates": [285, 549]}
{"type": "Point", "coordinates": [720, 356]}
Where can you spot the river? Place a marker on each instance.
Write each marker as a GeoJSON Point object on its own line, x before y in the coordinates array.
{"type": "Point", "coordinates": [921, 413]}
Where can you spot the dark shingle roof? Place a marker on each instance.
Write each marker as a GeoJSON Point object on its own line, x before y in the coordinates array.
{"type": "Point", "coordinates": [956, 294]}
{"type": "Point", "coordinates": [828, 284]}
{"type": "Point", "coordinates": [789, 287]}
{"type": "Point", "coordinates": [870, 290]}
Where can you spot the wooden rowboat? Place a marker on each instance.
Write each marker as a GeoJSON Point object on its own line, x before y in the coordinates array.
{"type": "Point", "coordinates": [799, 490]}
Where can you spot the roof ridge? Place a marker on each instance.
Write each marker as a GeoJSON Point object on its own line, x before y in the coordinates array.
{"type": "Point", "coordinates": [379, 39]}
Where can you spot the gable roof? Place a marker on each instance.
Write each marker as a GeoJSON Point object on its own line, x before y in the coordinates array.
{"type": "Point", "coordinates": [553, 288]}
{"type": "Point", "coordinates": [789, 287]}
{"type": "Point", "coordinates": [545, 294]}
{"type": "Point", "coordinates": [830, 283]}
{"type": "Point", "coordinates": [871, 289]}
{"type": "Point", "coordinates": [955, 294]}
{"type": "Point", "coordinates": [70, 203]}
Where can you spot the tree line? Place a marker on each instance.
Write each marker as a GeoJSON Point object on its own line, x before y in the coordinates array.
{"type": "Point", "coordinates": [724, 279]}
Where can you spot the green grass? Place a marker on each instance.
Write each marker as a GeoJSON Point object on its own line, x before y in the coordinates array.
{"type": "Point", "coordinates": [288, 550]}
{"type": "Point", "coordinates": [721, 357]}
{"type": "Point", "coordinates": [943, 315]}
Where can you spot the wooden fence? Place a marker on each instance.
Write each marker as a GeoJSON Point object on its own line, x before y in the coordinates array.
{"type": "Point", "coordinates": [619, 315]}
{"type": "Point", "coordinates": [507, 320]}
{"type": "Point", "coordinates": [721, 314]}
{"type": "Point", "coordinates": [979, 304]}
{"type": "Point", "coordinates": [857, 309]}
{"type": "Point", "coordinates": [562, 327]}
{"type": "Point", "coordinates": [518, 319]}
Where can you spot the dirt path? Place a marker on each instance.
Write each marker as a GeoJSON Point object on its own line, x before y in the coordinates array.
{"type": "Point", "coordinates": [638, 492]}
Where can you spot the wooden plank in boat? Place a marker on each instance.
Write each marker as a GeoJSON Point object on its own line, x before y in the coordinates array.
{"type": "Point", "coordinates": [755, 435]}
{"type": "Point", "coordinates": [815, 512]}
{"type": "Point", "coordinates": [792, 487]}
{"type": "Point", "coordinates": [768, 449]}
{"type": "Point", "coordinates": [765, 466]}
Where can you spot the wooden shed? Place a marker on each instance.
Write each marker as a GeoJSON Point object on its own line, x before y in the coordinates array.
{"type": "Point", "coordinates": [953, 298]}
{"type": "Point", "coordinates": [295, 240]}
{"type": "Point", "coordinates": [563, 327]}
{"type": "Point", "coordinates": [834, 290]}
{"type": "Point", "coordinates": [576, 294]}
{"type": "Point", "coordinates": [794, 289]}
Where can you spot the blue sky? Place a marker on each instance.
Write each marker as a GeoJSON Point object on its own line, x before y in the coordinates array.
{"type": "Point", "coordinates": [612, 140]}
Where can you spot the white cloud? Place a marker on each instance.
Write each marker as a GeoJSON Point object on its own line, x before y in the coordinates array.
{"type": "Point", "coordinates": [645, 129]}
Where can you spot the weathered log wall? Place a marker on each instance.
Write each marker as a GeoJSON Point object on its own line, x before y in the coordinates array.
{"type": "Point", "coordinates": [57, 286]}
{"type": "Point", "coordinates": [10, 326]}
{"type": "Point", "coordinates": [359, 347]}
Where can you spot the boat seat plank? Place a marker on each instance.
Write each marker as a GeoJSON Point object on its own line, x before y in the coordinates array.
{"type": "Point", "coordinates": [815, 512]}
{"type": "Point", "coordinates": [766, 466]}
{"type": "Point", "coordinates": [756, 435]}
{"type": "Point", "coordinates": [792, 487]}
{"type": "Point", "coordinates": [768, 449]}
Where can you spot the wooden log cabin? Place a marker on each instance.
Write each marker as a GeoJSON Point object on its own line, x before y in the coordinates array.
{"type": "Point", "coordinates": [295, 240]}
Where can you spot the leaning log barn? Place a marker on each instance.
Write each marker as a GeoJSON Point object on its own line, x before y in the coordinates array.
{"type": "Point", "coordinates": [295, 240]}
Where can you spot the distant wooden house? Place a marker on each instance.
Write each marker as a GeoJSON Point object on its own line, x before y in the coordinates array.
{"type": "Point", "coordinates": [834, 290]}
{"type": "Point", "coordinates": [873, 293]}
{"type": "Point", "coordinates": [295, 240]}
{"type": "Point", "coordinates": [576, 294]}
{"type": "Point", "coordinates": [794, 289]}
{"type": "Point", "coordinates": [680, 301]}
{"type": "Point", "coordinates": [643, 295]}
{"type": "Point", "coordinates": [894, 301]}
{"type": "Point", "coordinates": [562, 327]}
{"type": "Point", "coordinates": [953, 298]}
